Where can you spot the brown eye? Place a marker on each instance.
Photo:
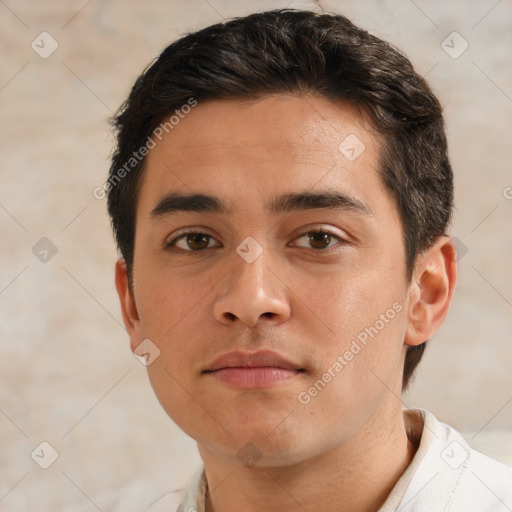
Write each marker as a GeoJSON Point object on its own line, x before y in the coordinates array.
{"type": "Point", "coordinates": [197, 241]}
{"type": "Point", "coordinates": [193, 242]}
{"type": "Point", "coordinates": [318, 240]}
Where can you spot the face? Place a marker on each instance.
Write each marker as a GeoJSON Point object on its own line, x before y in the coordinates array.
{"type": "Point", "coordinates": [289, 261]}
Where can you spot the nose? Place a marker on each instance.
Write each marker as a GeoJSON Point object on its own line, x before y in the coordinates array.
{"type": "Point", "coordinates": [252, 294]}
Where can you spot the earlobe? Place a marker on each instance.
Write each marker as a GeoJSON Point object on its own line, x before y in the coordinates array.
{"type": "Point", "coordinates": [127, 301]}
{"type": "Point", "coordinates": [431, 291]}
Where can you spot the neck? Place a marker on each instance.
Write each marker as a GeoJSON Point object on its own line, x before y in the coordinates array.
{"type": "Point", "coordinates": [356, 476]}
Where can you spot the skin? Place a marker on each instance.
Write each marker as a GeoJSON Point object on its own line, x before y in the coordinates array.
{"type": "Point", "coordinates": [347, 447]}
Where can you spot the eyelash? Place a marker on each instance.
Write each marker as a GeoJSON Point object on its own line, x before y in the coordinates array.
{"type": "Point", "coordinates": [172, 243]}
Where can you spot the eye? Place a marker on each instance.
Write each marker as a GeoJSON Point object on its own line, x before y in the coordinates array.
{"type": "Point", "coordinates": [193, 242]}
{"type": "Point", "coordinates": [318, 240]}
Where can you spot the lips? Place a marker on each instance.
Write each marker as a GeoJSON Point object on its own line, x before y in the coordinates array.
{"type": "Point", "coordinates": [264, 358]}
{"type": "Point", "coordinates": [247, 371]}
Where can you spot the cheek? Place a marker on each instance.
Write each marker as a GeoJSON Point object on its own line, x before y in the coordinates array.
{"type": "Point", "coordinates": [349, 300]}
{"type": "Point", "coordinates": [360, 317]}
{"type": "Point", "coordinates": [164, 298]}
{"type": "Point", "coordinates": [373, 358]}
{"type": "Point", "coordinates": [171, 316]}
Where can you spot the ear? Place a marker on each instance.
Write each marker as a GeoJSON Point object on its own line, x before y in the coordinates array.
{"type": "Point", "coordinates": [431, 291]}
{"type": "Point", "coordinates": [128, 307]}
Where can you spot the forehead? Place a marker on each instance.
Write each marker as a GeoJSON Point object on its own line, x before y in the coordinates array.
{"type": "Point", "coordinates": [250, 149]}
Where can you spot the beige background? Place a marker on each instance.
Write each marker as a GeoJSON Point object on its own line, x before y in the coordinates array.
{"type": "Point", "coordinates": [68, 376]}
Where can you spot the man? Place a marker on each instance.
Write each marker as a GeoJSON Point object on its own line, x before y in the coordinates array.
{"type": "Point", "coordinates": [280, 195]}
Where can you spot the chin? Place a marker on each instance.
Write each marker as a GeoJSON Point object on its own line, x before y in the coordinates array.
{"type": "Point", "coordinates": [262, 452]}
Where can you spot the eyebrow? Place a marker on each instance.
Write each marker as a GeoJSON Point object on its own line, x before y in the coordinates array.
{"type": "Point", "coordinates": [172, 203]}
{"type": "Point", "coordinates": [327, 200]}
{"type": "Point", "coordinates": [202, 203]}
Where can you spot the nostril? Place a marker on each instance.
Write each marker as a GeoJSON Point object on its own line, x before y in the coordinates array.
{"type": "Point", "coordinates": [269, 315]}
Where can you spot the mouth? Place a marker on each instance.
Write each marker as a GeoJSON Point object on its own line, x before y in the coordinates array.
{"type": "Point", "coordinates": [252, 371]}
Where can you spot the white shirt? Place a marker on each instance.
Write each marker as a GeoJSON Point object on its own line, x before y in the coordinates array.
{"type": "Point", "coordinates": [445, 475]}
